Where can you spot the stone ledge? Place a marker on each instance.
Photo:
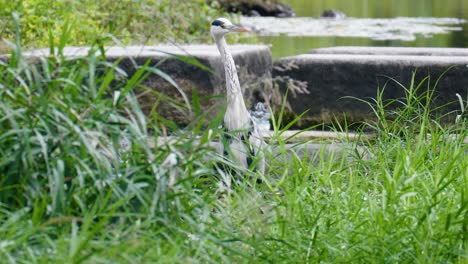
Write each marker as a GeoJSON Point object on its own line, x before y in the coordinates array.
{"type": "Point", "coordinates": [359, 50]}
{"type": "Point", "coordinates": [379, 59]}
{"type": "Point", "coordinates": [150, 51]}
{"type": "Point", "coordinates": [312, 151]}
{"type": "Point", "coordinates": [331, 78]}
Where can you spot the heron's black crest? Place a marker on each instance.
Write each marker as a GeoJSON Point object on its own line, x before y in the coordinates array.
{"type": "Point", "coordinates": [217, 23]}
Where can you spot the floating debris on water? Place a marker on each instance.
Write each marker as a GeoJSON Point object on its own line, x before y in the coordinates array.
{"type": "Point", "coordinates": [399, 28]}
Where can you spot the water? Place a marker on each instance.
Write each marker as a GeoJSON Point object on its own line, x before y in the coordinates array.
{"type": "Point", "coordinates": [415, 23]}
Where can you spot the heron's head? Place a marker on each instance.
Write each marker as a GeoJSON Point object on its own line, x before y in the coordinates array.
{"type": "Point", "coordinates": [223, 26]}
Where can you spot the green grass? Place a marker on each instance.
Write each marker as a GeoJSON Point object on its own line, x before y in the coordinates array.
{"type": "Point", "coordinates": [99, 22]}
{"type": "Point", "coordinates": [70, 193]}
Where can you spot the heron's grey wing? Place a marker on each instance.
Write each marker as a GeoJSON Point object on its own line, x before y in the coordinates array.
{"type": "Point", "coordinates": [239, 152]}
{"type": "Point", "coordinates": [234, 146]}
{"type": "Point", "coordinates": [245, 148]}
{"type": "Point", "coordinates": [257, 145]}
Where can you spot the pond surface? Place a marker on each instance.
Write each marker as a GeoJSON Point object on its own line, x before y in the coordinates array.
{"type": "Point", "coordinates": [404, 23]}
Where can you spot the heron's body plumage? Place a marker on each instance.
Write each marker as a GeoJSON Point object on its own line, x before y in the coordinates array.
{"type": "Point", "coordinates": [245, 139]}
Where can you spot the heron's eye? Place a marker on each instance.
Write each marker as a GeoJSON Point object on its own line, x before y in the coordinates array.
{"type": "Point", "coordinates": [223, 26]}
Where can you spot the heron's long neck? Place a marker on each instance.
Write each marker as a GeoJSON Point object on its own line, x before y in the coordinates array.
{"type": "Point", "coordinates": [232, 80]}
{"type": "Point", "coordinates": [236, 108]}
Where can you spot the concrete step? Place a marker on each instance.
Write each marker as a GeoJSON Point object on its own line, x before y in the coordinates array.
{"type": "Point", "coordinates": [312, 151]}
{"type": "Point", "coordinates": [360, 50]}
{"type": "Point", "coordinates": [331, 75]}
{"type": "Point", "coordinates": [254, 65]}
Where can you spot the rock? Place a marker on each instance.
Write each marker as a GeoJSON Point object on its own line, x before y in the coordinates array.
{"type": "Point", "coordinates": [254, 13]}
{"type": "Point", "coordinates": [257, 7]}
{"type": "Point", "coordinates": [331, 13]}
{"type": "Point", "coordinates": [328, 77]}
{"type": "Point", "coordinates": [254, 68]}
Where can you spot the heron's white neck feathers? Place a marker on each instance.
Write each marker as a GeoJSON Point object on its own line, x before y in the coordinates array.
{"type": "Point", "coordinates": [232, 80]}
{"type": "Point", "coordinates": [237, 116]}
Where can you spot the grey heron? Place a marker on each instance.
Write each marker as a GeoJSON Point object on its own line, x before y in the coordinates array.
{"type": "Point", "coordinates": [244, 140]}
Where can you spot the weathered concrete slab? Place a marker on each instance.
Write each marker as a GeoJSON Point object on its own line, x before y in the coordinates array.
{"type": "Point", "coordinates": [297, 136]}
{"type": "Point", "coordinates": [254, 67]}
{"type": "Point", "coordinates": [330, 78]}
{"type": "Point", "coordinates": [360, 50]}
{"type": "Point", "coordinates": [310, 151]}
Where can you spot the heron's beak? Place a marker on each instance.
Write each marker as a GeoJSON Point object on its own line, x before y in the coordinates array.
{"type": "Point", "coordinates": [239, 29]}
